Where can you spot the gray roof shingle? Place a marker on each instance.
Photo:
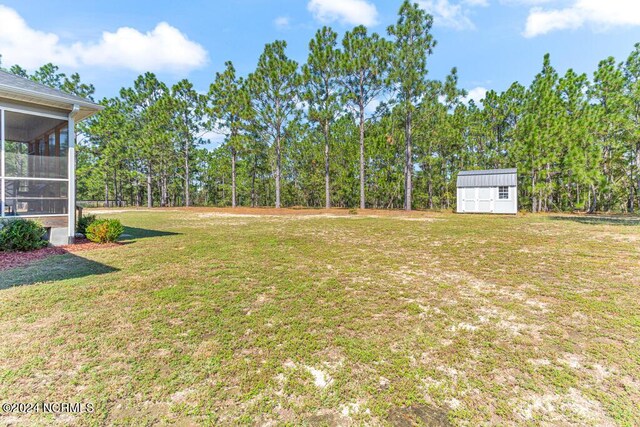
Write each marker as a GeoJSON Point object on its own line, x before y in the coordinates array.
{"type": "Point", "coordinates": [488, 178]}
{"type": "Point", "coordinates": [10, 81]}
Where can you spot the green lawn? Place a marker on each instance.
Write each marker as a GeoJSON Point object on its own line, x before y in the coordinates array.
{"type": "Point", "coordinates": [205, 317]}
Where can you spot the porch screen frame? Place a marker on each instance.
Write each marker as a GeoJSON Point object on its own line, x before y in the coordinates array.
{"type": "Point", "coordinates": [70, 179]}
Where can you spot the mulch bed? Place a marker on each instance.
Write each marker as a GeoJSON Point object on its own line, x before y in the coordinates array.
{"type": "Point", "coordinates": [10, 260]}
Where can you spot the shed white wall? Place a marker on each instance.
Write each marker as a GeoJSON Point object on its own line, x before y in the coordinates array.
{"type": "Point", "coordinates": [485, 200]}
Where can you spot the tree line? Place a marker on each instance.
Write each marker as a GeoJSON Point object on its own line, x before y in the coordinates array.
{"type": "Point", "coordinates": [360, 124]}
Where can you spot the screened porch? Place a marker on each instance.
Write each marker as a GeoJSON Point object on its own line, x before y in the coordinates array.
{"type": "Point", "coordinates": [35, 171]}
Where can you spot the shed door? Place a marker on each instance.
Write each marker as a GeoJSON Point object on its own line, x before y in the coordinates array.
{"type": "Point", "coordinates": [484, 199]}
{"type": "Point", "coordinates": [470, 200]}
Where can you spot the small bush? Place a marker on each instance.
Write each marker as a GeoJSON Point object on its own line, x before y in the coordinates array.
{"type": "Point", "coordinates": [353, 211]}
{"type": "Point", "coordinates": [21, 235]}
{"type": "Point", "coordinates": [85, 222]}
{"type": "Point", "coordinates": [104, 230]}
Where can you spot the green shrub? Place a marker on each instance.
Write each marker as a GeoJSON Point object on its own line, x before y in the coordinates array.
{"type": "Point", "coordinates": [104, 230]}
{"type": "Point", "coordinates": [84, 222]}
{"type": "Point", "coordinates": [21, 235]}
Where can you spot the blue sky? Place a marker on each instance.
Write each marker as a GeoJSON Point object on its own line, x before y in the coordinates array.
{"type": "Point", "coordinates": [492, 42]}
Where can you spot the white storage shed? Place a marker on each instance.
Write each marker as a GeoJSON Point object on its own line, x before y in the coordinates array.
{"type": "Point", "coordinates": [488, 191]}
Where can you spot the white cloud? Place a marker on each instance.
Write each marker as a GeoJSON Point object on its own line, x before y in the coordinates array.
{"type": "Point", "coordinates": [525, 2]}
{"type": "Point", "coordinates": [597, 13]}
{"type": "Point", "coordinates": [482, 3]}
{"type": "Point", "coordinates": [282, 22]}
{"type": "Point", "coordinates": [452, 14]}
{"type": "Point", "coordinates": [371, 108]}
{"type": "Point", "coordinates": [476, 94]}
{"type": "Point", "coordinates": [351, 12]}
{"type": "Point", "coordinates": [20, 44]}
{"type": "Point", "coordinates": [214, 139]}
{"type": "Point", "coordinates": [164, 48]}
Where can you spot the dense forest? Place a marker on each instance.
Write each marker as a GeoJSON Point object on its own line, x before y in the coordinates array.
{"type": "Point", "coordinates": [318, 135]}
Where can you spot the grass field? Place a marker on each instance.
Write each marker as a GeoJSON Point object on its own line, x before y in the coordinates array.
{"type": "Point", "coordinates": [208, 317]}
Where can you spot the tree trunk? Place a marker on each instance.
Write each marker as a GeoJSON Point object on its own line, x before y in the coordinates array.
{"type": "Point", "coordinates": [187, 202]}
{"type": "Point", "coordinates": [233, 177]}
{"type": "Point", "coordinates": [533, 192]}
{"type": "Point", "coordinates": [430, 191]}
{"type": "Point", "coordinates": [327, 188]}
{"type": "Point", "coordinates": [115, 188]}
{"type": "Point", "coordinates": [362, 196]}
{"type": "Point", "coordinates": [426, 168]}
{"type": "Point", "coordinates": [569, 198]}
{"type": "Point", "coordinates": [540, 202]}
{"type": "Point", "coordinates": [138, 195]}
{"type": "Point", "coordinates": [608, 176]}
{"type": "Point", "coordinates": [160, 184]}
{"type": "Point", "coordinates": [408, 187]}
{"type": "Point", "coordinates": [593, 200]}
{"type": "Point", "coordinates": [106, 193]}
{"type": "Point", "coordinates": [253, 181]}
{"type": "Point", "coordinates": [164, 190]}
{"type": "Point", "coordinates": [149, 190]}
{"type": "Point", "coordinates": [278, 161]}
{"type": "Point", "coordinates": [548, 201]}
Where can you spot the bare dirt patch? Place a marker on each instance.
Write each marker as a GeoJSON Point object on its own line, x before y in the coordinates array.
{"type": "Point", "coordinates": [551, 405]}
{"type": "Point", "coordinates": [418, 415]}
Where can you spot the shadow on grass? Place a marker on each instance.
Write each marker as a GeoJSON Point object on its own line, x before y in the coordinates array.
{"type": "Point", "coordinates": [133, 233]}
{"type": "Point", "coordinates": [51, 269]}
{"type": "Point", "coordinates": [610, 220]}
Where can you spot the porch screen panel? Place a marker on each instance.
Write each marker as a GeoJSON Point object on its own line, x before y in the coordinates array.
{"type": "Point", "coordinates": [35, 197]}
{"type": "Point", "coordinates": [35, 147]}
{"type": "Point", "coordinates": [36, 172]}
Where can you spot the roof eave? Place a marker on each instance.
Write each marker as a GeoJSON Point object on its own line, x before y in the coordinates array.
{"type": "Point", "coordinates": [85, 114]}
{"type": "Point", "coordinates": [509, 171]}
{"type": "Point", "coordinates": [49, 98]}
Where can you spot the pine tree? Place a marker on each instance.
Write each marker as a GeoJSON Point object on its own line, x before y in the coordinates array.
{"type": "Point", "coordinates": [413, 42]}
{"type": "Point", "coordinates": [579, 168]}
{"type": "Point", "coordinates": [611, 131]}
{"type": "Point", "coordinates": [147, 120]}
{"type": "Point", "coordinates": [632, 92]}
{"type": "Point", "coordinates": [364, 64]}
{"type": "Point", "coordinates": [321, 91]}
{"type": "Point", "coordinates": [274, 92]}
{"type": "Point", "coordinates": [230, 111]}
{"type": "Point", "coordinates": [539, 134]}
{"type": "Point", "coordinates": [188, 110]}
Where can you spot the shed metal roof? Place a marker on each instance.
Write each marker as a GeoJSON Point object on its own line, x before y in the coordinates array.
{"type": "Point", "coordinates": [26, 90]}
{"type": "Point", "coordinates": [488, 178]}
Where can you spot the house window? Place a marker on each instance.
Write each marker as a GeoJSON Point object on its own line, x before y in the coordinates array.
{"type": "Point", "coordinates": [503, 193]}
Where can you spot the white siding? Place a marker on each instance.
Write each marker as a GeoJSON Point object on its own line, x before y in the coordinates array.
{"type": "Point", "coordinates": [485, 200]}
{"type": "Point", "coordinates": [508, 206]}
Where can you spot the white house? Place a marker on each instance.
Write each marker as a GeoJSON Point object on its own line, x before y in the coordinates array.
{"type": "Point", "coordinates": [37, 154]}
{"type": "Point", "coordinates": [488, 191]}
